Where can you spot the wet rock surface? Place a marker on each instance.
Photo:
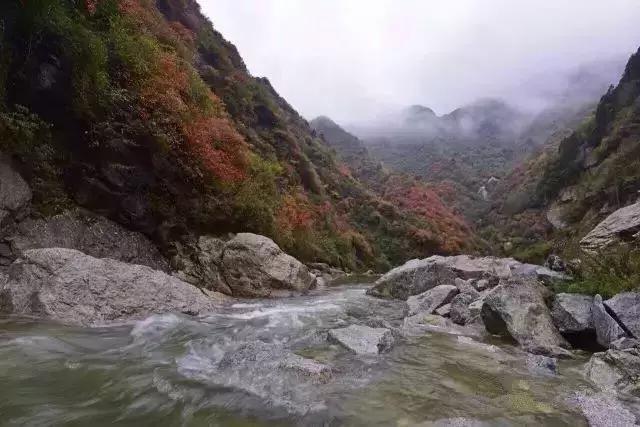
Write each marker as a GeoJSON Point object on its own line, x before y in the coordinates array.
{"type": "Point", "coordinates": [363, 339]}
{"type": "Point", "coordinates": [69, 286]}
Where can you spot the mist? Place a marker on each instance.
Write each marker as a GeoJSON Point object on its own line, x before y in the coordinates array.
{"type": "Point", "coordinates": [359, 60]}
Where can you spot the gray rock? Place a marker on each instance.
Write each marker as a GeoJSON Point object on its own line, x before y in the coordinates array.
{"type": "Point", "coordinates": [626, 308]}
{"type": "Point", "coordinates": [625, 343]}
{"type": "Point", "coordinates": [607, 329]}
{"type": "Point", "coordinates": [516, 308]}
{"type": "Point", "coordinates": [555, 263]}
{"type": "Point", "coordinates": [542, 365]}
{"type": "Point", "coordinates": [272, 356]}
{"type": "Point", "coordinates": [466, 287]}
{"type": "Point", "coordinates": [475, 308]}
{"type": "Point", "coordinates": [15, 193]}
{"type": "Point", "coordinates": [481, 285]}
{"type": "Point", "coordinates": [571, 313]}
{"type": "Point", "coordinates": [71, 287]}
{"type": "Point", "coordinates": [555, 216]}
{"type": "Point", "coordinates": [201, 265]}
{"type": "Point", "coordinates": [604, 410]}
{"type": "Point", "coordinates": [461, 314]}
{"type": "Point", "coordinates": [88, 233]}
{"type": "Point", "coordinates": [432, 299]}
{"type": "Point", "coordinates": [418, 276]}
{"type": "Point", "coordinates": [615, 370]}
{"type": "Point", "coordinates": [325, 272]}
{"type": "Point", "coordinates": [363, 339]}
{"type": "Point", "coordinates": [271, 372]}
{"type": "Point", "coordinates": [620, 226]}
{"type": "Point", "coordinates": [417, 324]}
{"type": "Point", "coordinates": [254, 266]}
{"type": "Point", "coordinates": [412, 278]}
{"type": "Point", "coordinates": [444, 311]}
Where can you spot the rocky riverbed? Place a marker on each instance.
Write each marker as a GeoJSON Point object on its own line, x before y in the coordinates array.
{"type": "Point", "coordinates": [274, 362]}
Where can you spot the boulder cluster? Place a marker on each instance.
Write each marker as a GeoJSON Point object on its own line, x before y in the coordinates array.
{"type": "Point", "coordinates": [499, 296]}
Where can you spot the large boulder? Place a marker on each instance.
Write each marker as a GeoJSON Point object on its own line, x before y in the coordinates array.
{"type": "Point", "coordinates": [417, 276]}
{"type": "Point", "coordinates": [607, 328]}
{"type": "Point", "coordinates": [254, 266]}
{"type": "Point", "coordinates": [413, 278]}
{"type": "Point", "coordinates": [516, 308]}
{"type": "Point", "coordinates": [571, 313]}
{"type": "Point", "coordinates": [621, 226]}
{"type": "Point", "coordinates": [88, 233]}
{"type": "Point", "coordinates": [363, 339]}
{"type": "Point", "coordinates": [69, 286]}
{"type": "Point", "coordinates": [427, 302]}
{"type": "Point", "coordinates": [15, 193]}
{"type": "Point", "coordinates": [626, 309]}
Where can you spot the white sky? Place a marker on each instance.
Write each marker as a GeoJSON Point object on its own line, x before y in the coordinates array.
{"type": "Point", "coordinates": [355, 59]}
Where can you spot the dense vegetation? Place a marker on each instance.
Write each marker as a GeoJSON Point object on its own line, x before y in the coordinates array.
{"type": "Point", "coordinates": [141, 111]}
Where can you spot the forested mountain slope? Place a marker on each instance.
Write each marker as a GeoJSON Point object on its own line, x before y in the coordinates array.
{"type": "Point", "coordinates": [565, 189]}
{"type": "Point", "coordinates": [141, 111]}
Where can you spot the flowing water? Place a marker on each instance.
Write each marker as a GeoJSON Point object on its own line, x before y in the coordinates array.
{"type": "Point", "coordinates": [178, 370]}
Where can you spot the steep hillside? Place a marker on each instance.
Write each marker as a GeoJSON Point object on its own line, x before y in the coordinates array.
{"type": "Point", "coordinates": [574, 182]}
{"type": "Point", "coordinates": [416, 201]}
{"type": "Point", "coordinates": [139, 110]}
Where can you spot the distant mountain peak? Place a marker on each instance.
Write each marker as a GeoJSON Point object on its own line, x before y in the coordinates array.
{"type": "Point", "coordinates": [420, 110]}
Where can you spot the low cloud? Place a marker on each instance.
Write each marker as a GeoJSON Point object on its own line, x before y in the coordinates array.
{"type": "Point", "coordinates": [356, 60]}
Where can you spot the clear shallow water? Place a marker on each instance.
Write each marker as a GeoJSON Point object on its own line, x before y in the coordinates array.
{"type": "Point", "coordinates": [175, 370]}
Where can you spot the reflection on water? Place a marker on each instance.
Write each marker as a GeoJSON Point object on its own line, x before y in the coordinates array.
{"type": "Point", "coordinates": [176, 370]}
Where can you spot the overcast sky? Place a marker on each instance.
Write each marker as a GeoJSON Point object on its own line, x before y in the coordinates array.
{"type": "Point", "coordinates": [355, 59]}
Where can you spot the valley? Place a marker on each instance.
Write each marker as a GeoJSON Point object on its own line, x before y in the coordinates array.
{"type": "Point", "coordinates": [180, 246]}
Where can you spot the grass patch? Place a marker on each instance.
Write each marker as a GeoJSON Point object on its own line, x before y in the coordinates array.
{"type": "Point", "coordinates": [606, 274]}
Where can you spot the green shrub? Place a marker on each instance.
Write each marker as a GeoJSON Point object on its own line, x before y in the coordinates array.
{"type": "Point", "coordinates": [607, 274]}
{"type": "Point", "coordinates": [534, 253]}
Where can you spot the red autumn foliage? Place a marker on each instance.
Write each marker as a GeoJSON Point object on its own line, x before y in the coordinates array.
{"type": "Point", "coordinates": [344, 170]}
{"type": "Point", "coordinates": [168, 87]}
{"type": "Point", "coordinates": [209, 139]}
{"type": "Point", "coordinates": [220, 148]}
{"type": "Point", "coordinates": [447, 228]}
{"type": "Point", "coordinates": [182, 32]}
{"type": "Point", "coordinates": [91, 6]}
{"type": "Point", "coordinates": [295, 213]}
